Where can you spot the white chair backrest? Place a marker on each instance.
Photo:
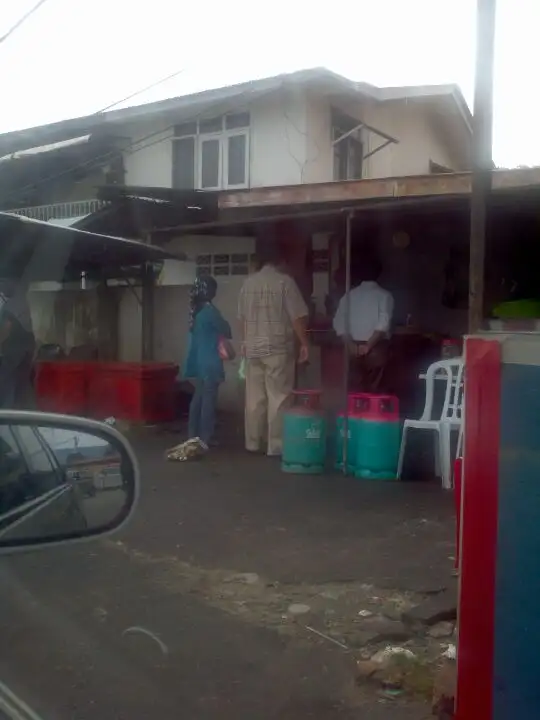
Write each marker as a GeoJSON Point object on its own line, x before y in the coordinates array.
{"type": "Point", "coordinates": [453, 401]}
{"type": "Point", "coordinates": [452, 370]}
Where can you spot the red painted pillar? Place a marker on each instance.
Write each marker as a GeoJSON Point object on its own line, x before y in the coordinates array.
{"type": "Point", "coordinates": [479, 518]}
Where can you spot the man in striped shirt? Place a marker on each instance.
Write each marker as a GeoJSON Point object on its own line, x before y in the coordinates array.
{"type": "Point", "coordinates": [273, 316]}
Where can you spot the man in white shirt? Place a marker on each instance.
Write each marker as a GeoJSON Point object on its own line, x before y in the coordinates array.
{"type": "Point", "coordinates": [371, 311]}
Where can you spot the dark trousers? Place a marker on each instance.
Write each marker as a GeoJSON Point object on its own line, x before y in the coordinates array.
{"type": "Point", "coordinates": [366, 372]}
{"type": "Point", "coordinates": [202, 410]}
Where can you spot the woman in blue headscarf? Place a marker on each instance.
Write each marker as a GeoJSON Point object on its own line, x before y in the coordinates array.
{"type": "Point", "coordinates": [204, 365]}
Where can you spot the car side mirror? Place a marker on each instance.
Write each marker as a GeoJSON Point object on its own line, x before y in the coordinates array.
{"type": "Point", "coordinates": [62, 479]}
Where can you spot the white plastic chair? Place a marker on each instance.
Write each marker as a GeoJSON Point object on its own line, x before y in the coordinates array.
{"type": "Point", "coordinates": [450, 418]}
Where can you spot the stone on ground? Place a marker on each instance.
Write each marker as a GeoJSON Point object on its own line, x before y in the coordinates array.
{"type": "Point", "coordinates": [298, 609]}
{"type": "Point", "coordinates": [442, 629]}
{"type": "Point", "coordinates": [378, 629]}
{"type": "Point", "coordinates": [435, 609]}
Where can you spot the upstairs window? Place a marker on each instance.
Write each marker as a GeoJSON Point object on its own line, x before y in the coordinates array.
{"type": "Point", "coordinates": [348, 147]}
{"type": "Point", "coordinates": [212, 153]}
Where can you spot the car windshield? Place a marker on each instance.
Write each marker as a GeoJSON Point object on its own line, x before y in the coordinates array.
{"type": "Point", "coordinates": [263, 280]}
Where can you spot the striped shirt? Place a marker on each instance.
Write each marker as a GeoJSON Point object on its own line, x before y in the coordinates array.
{"type": "Point", "coordinates": [269, 303]}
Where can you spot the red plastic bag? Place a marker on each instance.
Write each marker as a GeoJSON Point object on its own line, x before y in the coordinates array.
{"type": "Point", "coordinates": [225, 349]}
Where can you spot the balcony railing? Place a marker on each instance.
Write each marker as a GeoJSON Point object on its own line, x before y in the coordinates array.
{"type": "Point", "coordinates": [60, 211]}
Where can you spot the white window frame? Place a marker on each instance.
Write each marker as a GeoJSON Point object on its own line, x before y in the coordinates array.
{"type": "Point", "coordinates": [238, 132]}
{"type": "Point", "coordinates": [209, 264]}
{"type": "Point", "coordinates": [201, 139]}
{"type": "Point", "coordinates": [223, 137]}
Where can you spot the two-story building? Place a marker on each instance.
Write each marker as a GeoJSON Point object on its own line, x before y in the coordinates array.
{"type": "Point", "coordinates": [307, 127]}
{"type": "Point", "coordinates": [311, 126]}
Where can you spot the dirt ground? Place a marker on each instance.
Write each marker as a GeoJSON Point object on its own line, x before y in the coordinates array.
{"type": "Point", "coordinates": [323, 560]}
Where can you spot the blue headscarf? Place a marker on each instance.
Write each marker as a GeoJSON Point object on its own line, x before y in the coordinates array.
{"type": "Point", "coordinates": [202, 291]}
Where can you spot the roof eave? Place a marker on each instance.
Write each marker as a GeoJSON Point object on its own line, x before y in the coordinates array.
{"type": "Point", "coordinates": [426, 92]}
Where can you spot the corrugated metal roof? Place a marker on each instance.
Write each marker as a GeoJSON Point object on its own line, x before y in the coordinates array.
{"type": "Point", "coordinates": [40, 149]}
{"type": "Point", "coordinates": [41, 251]}
{"type": "Point", "coordinates": [67, 222]}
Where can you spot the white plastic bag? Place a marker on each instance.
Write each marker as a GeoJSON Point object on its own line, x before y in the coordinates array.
{"type": "Point", "coordinates": [242, 369]}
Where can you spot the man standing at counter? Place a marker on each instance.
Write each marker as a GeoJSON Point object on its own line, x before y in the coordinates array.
{"type": "Point", "coordinates": [371, 310]}
{"type": "Point", "coordinates": [272, 314]}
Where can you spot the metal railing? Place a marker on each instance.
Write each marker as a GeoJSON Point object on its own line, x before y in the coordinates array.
{"type": "Point", "coordinates": [60, 211]}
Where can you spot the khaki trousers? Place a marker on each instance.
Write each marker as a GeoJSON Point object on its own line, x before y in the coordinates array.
{"type": "Point", "coordinates": [269, 384]}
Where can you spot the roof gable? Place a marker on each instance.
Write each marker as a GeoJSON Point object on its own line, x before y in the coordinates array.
{"type": "Point", "coordinates": [207, 100]}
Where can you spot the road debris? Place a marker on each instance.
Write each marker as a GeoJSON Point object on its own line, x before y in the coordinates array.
{"type": "Point", "coordinates": [390, 651]}
{"type": "Point", "coordinates": [439, 608]}
{"type": "Point", "coordinates": [327, 637]}
{"type": "Point", "coordinates": [443, 629]}
{"type": "Point", "coordinates": [143, 631]}
{"type": "Point", "coordinates": [444, 685]}
{"type": "Point", "coordinates": [298, 609]}
{"type": "Point", "coordinates": [247, 578]}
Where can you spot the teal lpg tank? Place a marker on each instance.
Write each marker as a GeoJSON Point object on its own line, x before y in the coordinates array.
{"type": "Point", "coordinates": [354, 415]}
{"type": "Point", "coordinates": [379, 436]}
{"type": "Point", "coordinates": [304, 435]}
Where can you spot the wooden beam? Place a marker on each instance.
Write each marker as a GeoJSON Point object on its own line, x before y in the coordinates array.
{"type": "Point", "coordinates": [352, 190]}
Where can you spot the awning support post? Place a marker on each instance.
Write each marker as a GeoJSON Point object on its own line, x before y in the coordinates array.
{"type": "Point", "coordinates": [347, 338]}
{"type": "Point", "coordinates": [147, 313]}
{"type": "Point", "coordinates": [377, 149]}
{"type": "Point", "coordinates": [482, 158]}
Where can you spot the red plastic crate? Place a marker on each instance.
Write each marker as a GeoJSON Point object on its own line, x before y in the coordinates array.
{"type": "Point", "coordinates": [61, 386]}
{"type": "Point", "coordinates": [140, 392]}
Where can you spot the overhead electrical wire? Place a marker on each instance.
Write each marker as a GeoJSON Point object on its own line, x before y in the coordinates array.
{"type": "Point", "coordinates": [109, 154]}
{"type": "Point", "coordinates": [22, 20]}
{"type": "Point", "coordinates": [105, 156]}
{"type": "Point", "coordinates": [142, 90]}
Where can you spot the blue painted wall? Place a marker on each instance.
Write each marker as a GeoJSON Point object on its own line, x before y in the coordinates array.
{"type": "Point", "coordinates": [517, 599]}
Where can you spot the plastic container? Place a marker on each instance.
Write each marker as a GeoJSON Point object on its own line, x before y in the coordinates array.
{"type": "Point", "coordinates": [450, 349]}
{"type": "Point", "coordinates": [304, 435]}
{"type": "Point", "coordinates": [62, 386]}
{"type": "Point", "coordinates": [518, 309]}
{"type": "Point", "coordinates": [138, 392]}
{"type": "Point", "coordinates": [378, 438]}
{"type": "Point", "coordinates": [355, 406]}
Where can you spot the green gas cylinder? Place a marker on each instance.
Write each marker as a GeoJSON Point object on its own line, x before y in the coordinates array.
{"type": "Point", "coordinates": [304, 434]}
{"type": "Point", "coordinates": [354, 406]}
{"type": "Point", "coordinates": [378, 438]}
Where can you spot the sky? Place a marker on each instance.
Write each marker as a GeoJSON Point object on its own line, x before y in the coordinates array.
{"type": "Point", "coordinates": [75, 57]}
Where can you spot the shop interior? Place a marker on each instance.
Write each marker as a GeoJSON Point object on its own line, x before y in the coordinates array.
{"type": "Point", "coordinates": [423, 246]}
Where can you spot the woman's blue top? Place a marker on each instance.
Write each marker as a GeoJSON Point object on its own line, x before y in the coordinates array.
{"type": "Point", "coordinates": [202, 360]}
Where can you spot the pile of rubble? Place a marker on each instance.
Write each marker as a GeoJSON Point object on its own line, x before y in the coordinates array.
{"type": "Point", "coordinates": [424, 664]}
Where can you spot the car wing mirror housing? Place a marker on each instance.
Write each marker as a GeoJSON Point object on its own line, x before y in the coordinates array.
{"type": "Point", "coordinates": [62, 479]}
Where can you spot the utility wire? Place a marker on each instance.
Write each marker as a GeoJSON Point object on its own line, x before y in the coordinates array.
{"type": "Point", "coordinates": [142, 90]}
{"type": "Point", "coordinates": [105, 156]}
{"type": "Point", "coordinates": [22, 20]}
{"type": "Point", "coordinates": [135, 143]}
